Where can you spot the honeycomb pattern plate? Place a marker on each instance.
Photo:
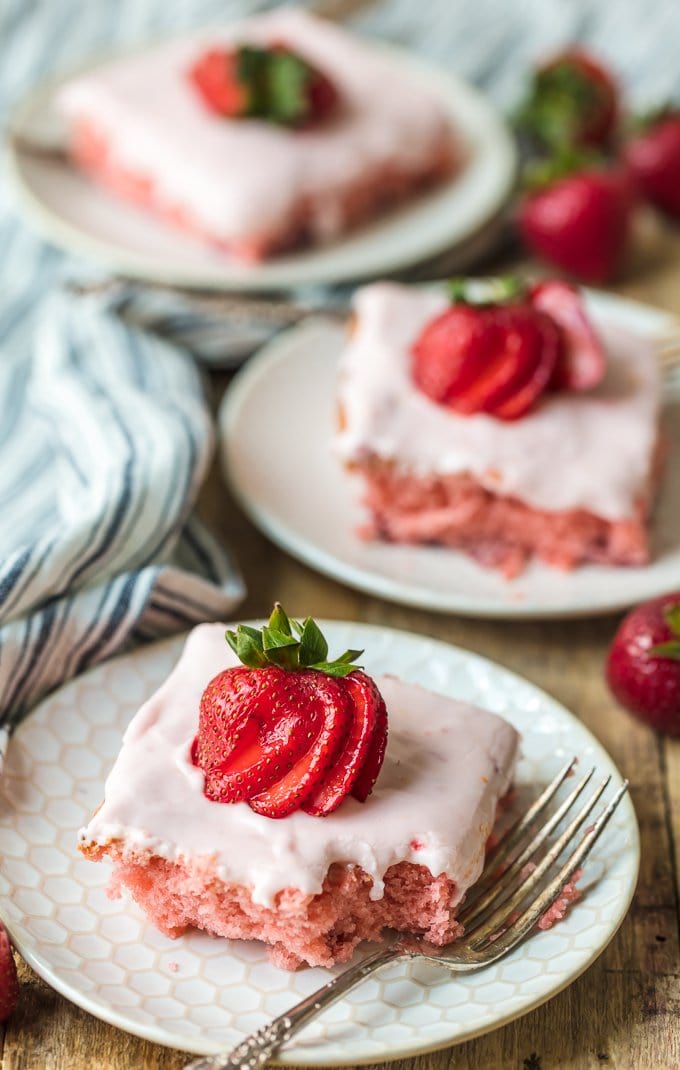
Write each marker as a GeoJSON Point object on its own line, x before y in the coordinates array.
{"type": "Point", "coordinates": [203, 994]}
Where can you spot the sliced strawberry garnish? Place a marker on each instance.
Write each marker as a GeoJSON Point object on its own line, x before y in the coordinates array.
{"type": "Point", "coordinates": [582, 361]}
{"type": "Point", "coordinates": [368, 774]}
{"type": "Point", "coordinates": [258, 746]}
{"type": "Point", "coordinates": [546, 350]}
{"type": "Point", "coordinates": [329, 725]}
{"type": "Point", "coordinates": [450, 351]}
{"type": "Point", "coordinates": [365, 702]}
{"type": "Point", "coordinates": [490, 357]}
{"type": "Point", "coordinates": [288, 728]}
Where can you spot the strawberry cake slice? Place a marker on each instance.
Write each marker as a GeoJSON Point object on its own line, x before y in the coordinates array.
{"type": "Point", "coordinates": [500, 422]}
{"type": "Point", "coordinates": [279, 130]}
{"type": "Point", "coordinates": [271, 805]}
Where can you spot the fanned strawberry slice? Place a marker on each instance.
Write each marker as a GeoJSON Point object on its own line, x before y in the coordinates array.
{"type": "Point", "coordinates": [368, 774]}
{"type": "Point", "coordinates": [494, 356]}
{"type": "Point", "coordinates": [259, 746]}
{"type": "Point", "coordinates": [526, 392]}
{"type": "Point", "coordinates": [366, 702]}
{"type": "Point", "coordinates": [582, 362]}
{"type": "Point", "coordinates": [449, 352]}
{"type": "Point", "coordinates": [329, 726]}
{"type": "Point", "coordinates": [288, 728]}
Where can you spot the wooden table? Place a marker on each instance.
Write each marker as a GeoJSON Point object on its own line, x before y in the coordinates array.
{"type": "Point", "coordinates": [624, 1013]}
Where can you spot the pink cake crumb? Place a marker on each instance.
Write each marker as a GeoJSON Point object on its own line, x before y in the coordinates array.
{"type": "Point", "coordinates": [318, 930]}
{"type": "Point", "coordinates": [569, 894]}
{"type": "Point", "coordinates": [497, 531]}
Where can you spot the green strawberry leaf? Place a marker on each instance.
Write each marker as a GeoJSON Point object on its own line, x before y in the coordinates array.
{"type": "Point", "coordinates": [348, 657]}
{"type": "Point", "coordinates": [279, 620]}
{"type": "Point", "coordinates": [275, 644]}
{"type": "Point", "coordinates": [313, 646]}
{"type": "Point", "coordinates": [672, 615]}
{"type": "Point", "coordinates": [247, 649]}
{"type": "Point", "coordinates": [332, 668]}
{"type": "Point", "coordinates": [671, 650]}
{"type": "Point", "coordinates": [287, 84]}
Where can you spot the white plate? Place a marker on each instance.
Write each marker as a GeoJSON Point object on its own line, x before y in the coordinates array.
{"type": "Point", "coordinates": [203, 994]}
{"type": "Point", "coordinates": [80, 216]}
{"type": "Point", "coordinates": [294, 488]}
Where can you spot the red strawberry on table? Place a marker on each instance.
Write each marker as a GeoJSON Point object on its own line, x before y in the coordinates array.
{"type": "Point", "coordinates": [573, 100]}
{"type": "Point", "coordinates": [582, 361]}
{"type": "Point", "coordinates": [274, 83]}
{"type": "Point", "coordinates": [578, 218]}
{"type": "Point", "coordinates": [643, 666]}
{"type": "Point", "coordinates": [289, 729]}
{"type": "Point", "coordinates": [9, 985]}
{"type": "Point", "coordinates": [652, 156]}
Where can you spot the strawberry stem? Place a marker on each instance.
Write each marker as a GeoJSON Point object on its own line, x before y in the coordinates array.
{"type": "Point", "coordinates": [289, 644]}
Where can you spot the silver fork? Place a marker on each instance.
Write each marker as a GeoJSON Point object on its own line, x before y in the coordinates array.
{"type": "Point", "coordinates": [496, 916]}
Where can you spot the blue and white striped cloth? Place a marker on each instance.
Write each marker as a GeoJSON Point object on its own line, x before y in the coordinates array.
{"type": "Point", "coordinates": [105, 435]}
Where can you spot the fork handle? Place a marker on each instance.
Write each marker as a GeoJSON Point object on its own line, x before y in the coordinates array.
{"type": "Point", "coordinates": [257, 1048]}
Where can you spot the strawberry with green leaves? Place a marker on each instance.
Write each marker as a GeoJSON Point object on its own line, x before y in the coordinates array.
{"type": "Point", "coordinates": [573, 100]}
{"type": "Point", "coordinates": [289, 729]}
{"type": "Point", "coordinates": [643, 666]}
{"type": "Point", "coordinates": [274, 84]}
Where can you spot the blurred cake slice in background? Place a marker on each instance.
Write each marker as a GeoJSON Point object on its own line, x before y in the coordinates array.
{"type": "Point", "coordinates": [278, 131]}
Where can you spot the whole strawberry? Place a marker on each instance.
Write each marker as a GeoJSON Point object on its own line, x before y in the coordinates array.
{"type": "Point", "coordinates": [289, 729]}
{"type": "Point", "coordinates": [273, 83]}
{"type": "Point", "coordinates": [653, 158]}
{"type": "Point", "coordinates": [9, 985]}
{"type": "Point", "coordinates": [578, 218]}
{"type": "Point", "coordinates": [573, 100]}
{"type": "Point", "coordinates": [643, 667]}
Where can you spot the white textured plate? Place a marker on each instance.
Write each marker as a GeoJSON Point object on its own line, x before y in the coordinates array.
{"type": "Point", "coordinates": [80, 216]}
{"type": "Point", "coordinates": [295, 489]}
{"type": "Point", "coordinates": [202, 994]}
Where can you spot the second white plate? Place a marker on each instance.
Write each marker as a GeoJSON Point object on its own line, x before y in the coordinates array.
{"type": "Point", "coordinates": [294, 488]}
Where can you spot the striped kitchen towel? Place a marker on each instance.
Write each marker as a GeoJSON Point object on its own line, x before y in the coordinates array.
{"type": "Point", "coordinates": [105, 438]}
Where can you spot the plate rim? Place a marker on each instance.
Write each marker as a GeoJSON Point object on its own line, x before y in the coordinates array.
{"type": "Point", "coordinates": [297, 1056]}
{"type": "Point", "coordinates": [499, 146]}
{"type": "Point", "coordinates": [274, 352]}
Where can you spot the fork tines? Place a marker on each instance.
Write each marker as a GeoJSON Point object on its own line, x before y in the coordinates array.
{"type": "Point", "coordinates": [525, 864]}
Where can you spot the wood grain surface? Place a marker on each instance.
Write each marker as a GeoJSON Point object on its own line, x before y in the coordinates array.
{"type": "Point", "coordinates": [624, 1012]}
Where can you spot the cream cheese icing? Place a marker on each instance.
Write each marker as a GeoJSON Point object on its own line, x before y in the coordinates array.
{"type": "Point", "coordinates": [447, 764]}
{"type": "Point", "coordinates": [590, 451]}
{"type": "Point", "coordinates": [245, 177]}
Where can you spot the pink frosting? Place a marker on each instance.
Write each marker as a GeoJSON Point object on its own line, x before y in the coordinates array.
{"type": "Point", "coordinates": [446, 766]}
{"type": "Point", "coordinates": [590, 450]}
{"type": "Point", "coordinates": [245, 177]}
